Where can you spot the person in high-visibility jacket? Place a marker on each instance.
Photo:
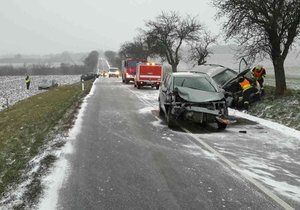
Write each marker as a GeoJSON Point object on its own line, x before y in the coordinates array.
{"type": "Point", "coordinates": [259, 72]}
{"type": "Point", "coordinates": [27, 82]}
{"type": "Point", "coordinates": [247, 89]}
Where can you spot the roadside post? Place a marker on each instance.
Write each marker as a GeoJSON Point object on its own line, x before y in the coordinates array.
{"type": "Point", "coordinates": [82, 85]}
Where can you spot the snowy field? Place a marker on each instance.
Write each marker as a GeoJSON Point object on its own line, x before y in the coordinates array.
{"type": "Point", "coordinates": [13, 88]}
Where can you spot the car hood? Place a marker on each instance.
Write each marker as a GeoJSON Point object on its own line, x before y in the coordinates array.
{"type": "Point", "coordinates": [199, 96]}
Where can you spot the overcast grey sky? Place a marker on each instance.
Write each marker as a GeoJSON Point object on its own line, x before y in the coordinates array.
{"type": "Point", "coordinates": [53, 26]}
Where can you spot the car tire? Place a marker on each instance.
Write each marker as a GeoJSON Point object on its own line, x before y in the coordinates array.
{"type": "Point", "coordinates": [157, 87]}
{"type": "Point", "coordinates": [170, 118]}
{"type": "Point", "coordinates": [221, 126]}
{"type": "Point", "coordinates": [160, 110]}
{"type": "Point", "coordinates": [138, 86]}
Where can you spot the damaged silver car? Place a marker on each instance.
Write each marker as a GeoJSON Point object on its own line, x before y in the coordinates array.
{"type": "Point", "coordinates": [192, 96]}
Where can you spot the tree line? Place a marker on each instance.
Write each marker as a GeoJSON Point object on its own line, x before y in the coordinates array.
{"type": "Point", "coordinates": [40, 69]}
{"type": "Point", "coordinates": [89, 65]}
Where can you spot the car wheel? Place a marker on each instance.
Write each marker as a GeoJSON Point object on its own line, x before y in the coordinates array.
{"type": "Point", "coordinates": [160, 110]}
{"type": "Point", "coordinates": [138, 86]}
{"type": "Point", "coordinates": [126, 81]}
{"type": "Point", "coordinates": [157, 87]}
{"type": "Point", "coordinates": [221, 126]}
{"type": "Point", "coordinates": [170, 119]}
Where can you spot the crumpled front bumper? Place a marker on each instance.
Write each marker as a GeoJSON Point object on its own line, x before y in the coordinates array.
{"type": "Point", "coordinates": [215, 111]}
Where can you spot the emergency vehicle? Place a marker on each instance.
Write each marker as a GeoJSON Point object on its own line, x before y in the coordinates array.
{"type": "Point", "coordinates": [148, 74]}
{"type": "Point", "coordinates": [129, 69]}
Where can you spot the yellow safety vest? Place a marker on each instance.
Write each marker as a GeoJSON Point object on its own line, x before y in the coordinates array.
{"type": "Point", "coordinates": [245, 85]}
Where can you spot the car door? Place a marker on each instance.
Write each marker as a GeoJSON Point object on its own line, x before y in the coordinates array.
{"type": "Point", "coordinates": [169, 86]}
{"type": "Point", "coordinates": [164, 91]}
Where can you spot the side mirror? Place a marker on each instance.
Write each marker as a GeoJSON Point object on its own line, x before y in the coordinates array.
{"type": "Point", "coordinates": [163, 89]}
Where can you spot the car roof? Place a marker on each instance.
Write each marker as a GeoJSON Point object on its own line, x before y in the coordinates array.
{"type": "Point", "coordinates": [189, 74]}
{"type": "Point", "coordinates": [211, 69]}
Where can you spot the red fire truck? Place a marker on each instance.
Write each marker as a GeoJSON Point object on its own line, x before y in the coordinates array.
{"type": "Point", "coordinates": [129, 68]}
{"type": "Point", "coordinates": [148, 74]}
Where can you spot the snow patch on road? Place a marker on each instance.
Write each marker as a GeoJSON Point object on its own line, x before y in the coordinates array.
{"type": "Point", "coordinates": [56, 179]}
{"type": "Point", "coordinates": [167, 138]}
{"type": "Point", "coordinates": [194, 149]}
{"type": "Point", "coordinates": [158, 123]}
{"type": "Point", "coordinates": [258, 169]}
{"type": "Point", "coordinates": [290, 191]}
{"type": "Point", "coordinates": [145, 110]}
{"type": "Point", "coordinates": [273, 125]}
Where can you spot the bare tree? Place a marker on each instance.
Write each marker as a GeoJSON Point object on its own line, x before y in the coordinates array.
{"type": "Point", "coordinates": [199, 50]}
{"type": "Point", "coordinates": [166, 34]}
{"type": "Point", "coordinates": [136, 49]}
{"type": "Point", "coordinates": [263, 27]}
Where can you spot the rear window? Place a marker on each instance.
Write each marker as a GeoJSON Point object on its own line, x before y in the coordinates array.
{"type": "Point", "coordinates": [224, 76]}
{"type": "Point", "coordinates": [198, 83]}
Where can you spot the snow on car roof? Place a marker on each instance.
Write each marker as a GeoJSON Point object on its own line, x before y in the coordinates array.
{"type": "Point", "coordinates": [210, 69]}
{"type": "Point", "coordinates": [190, 74]}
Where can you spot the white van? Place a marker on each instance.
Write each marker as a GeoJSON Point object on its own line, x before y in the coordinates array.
{"type": "Point", "coordinates": [113, 72]}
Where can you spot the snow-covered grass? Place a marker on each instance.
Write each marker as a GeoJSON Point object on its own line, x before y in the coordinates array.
{"type": "Point", "coordinates": [284, 110]}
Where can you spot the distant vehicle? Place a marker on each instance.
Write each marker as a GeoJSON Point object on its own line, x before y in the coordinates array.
{"type": "Point", "coordinates": [129, 69]}
{"type": "Point", "coordinates": [148, 74]}
{"type": "Point", "coordinates": [113, 72]}
{"type": "Point", "coordinates": [103, 73]}
{"type": "Point", "coordinates": [192, 96]}
{"type": "Point", "coordinates": [47, 84]}
{"type": "Point", "coordinates": [88, 76]}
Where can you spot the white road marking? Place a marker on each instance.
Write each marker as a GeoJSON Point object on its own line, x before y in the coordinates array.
{"type": "Point", "coordinates": [235, 167]}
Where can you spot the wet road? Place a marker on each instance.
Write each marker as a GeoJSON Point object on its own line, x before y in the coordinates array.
{"type": "Point", "coordinates": [125, 157]}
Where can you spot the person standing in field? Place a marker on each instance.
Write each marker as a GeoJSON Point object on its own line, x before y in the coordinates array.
{"type": "Point", "coordinates": [27, 82]}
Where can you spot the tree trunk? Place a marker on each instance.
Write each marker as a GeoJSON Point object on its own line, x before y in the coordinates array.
{"type": "Point", "coordinates": [279, 76]}
{"type": "Point", "coordinates": [174, 68]}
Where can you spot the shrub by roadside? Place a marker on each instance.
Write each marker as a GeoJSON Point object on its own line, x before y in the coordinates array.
{"type": "Point", "coordinates": [284, 110]}
{"type": "Point", "coordinates": [26, 127]}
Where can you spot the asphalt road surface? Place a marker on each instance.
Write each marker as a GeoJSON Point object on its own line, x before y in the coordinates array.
{"type": "Point", "coordinates": [125, 157]}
